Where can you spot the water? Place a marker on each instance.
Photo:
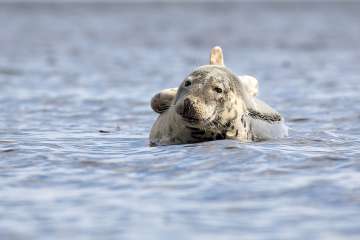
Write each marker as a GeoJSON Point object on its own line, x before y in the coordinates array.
{"type": "Point", "coordinates": [76, 81]}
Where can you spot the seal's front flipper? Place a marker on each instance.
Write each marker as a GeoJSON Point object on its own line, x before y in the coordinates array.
{"type": "Point", "coordinates": [251, 84]}
{"type": "Point", "coordinates": [265, 122]}
{"type": "Point", "coordinates": [162, 100]}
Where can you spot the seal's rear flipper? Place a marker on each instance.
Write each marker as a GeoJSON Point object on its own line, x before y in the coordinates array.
{"type": "Point", "coordinates": [216, 56]}
{"type": "Point", "coordinates": [162, 100]}
{"type": "Point", "coordinates": [251, 84]}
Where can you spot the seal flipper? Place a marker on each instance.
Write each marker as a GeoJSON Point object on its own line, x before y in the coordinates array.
{"type": "Point", "coordinates": [161, 101]}
{"type": "Point", "coordinates": [216, 56]}
{"type": "Point", "coordinates": [251, 84]}
{"type": "Point", "coordinates": [264, 122]}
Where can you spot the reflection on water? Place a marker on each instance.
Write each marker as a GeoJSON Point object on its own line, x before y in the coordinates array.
{"type": "Point", "coordinates": [76, 81]}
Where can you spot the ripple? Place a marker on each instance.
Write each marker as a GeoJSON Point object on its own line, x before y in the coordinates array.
{"type": "Point", "coordinates": [75, 158]}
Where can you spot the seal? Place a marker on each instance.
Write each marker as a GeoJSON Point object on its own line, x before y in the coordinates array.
{"type": "Point", "coordinates": [212, 103]}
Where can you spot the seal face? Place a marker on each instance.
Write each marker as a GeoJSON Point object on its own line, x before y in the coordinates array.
{"type": "Point", "coordinates": [208, 101]}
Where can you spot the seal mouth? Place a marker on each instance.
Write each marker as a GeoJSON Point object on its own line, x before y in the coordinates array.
{"type": "Point", "coordinates": [191, 119]}
{"type": "Point", "coordinates": [197, 121]}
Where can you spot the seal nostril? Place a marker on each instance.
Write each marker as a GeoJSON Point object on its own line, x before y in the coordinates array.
{"type": "Point", "coordinates": [187, 102]}
{"type": "Point", "coordinates": [188, 109]}
{"type": "Point", "coordinates": [218, 90]}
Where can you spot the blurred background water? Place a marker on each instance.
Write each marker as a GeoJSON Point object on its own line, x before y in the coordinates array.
{"type": "Point", "coordinates": [75, 85]}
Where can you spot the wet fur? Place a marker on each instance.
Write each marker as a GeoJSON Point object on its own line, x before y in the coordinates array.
{"type": "Point", "coordinates": [232, 116]}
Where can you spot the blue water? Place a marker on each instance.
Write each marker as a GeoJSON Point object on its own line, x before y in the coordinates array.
{"type": "Point", "coordinates": [75, 85]}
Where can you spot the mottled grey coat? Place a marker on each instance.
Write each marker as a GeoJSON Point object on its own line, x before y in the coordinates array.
{"type": "Point", "coordinates": [213, 103]}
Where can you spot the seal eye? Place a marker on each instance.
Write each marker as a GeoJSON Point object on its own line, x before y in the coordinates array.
{"type": "Point", "coordinates": [218, 90]}
{"type": "Point", "coordinates": [187, 83]}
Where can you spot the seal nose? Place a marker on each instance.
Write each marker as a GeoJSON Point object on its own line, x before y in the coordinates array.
{"type": "Point", "coordinates": [187, 103]}
{"type": "Point", "coordinates": [189, 109]}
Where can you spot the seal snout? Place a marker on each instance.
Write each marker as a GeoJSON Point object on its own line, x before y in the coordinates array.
{"type": "Point", "coordinates": [189, 110]}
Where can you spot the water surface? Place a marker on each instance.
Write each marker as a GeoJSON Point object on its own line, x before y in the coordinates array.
{"type": "Point", "coordinates": [75, 85]}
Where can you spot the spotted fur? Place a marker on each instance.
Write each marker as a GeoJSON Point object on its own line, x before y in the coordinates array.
{"type": "Point", "coordinates": [201, 112]}
{"type": "Point", "coordinates": [271, 118]}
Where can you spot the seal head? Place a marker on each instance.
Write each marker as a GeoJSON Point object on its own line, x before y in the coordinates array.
{"type": "Point", "coordinates": [209, 101]}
